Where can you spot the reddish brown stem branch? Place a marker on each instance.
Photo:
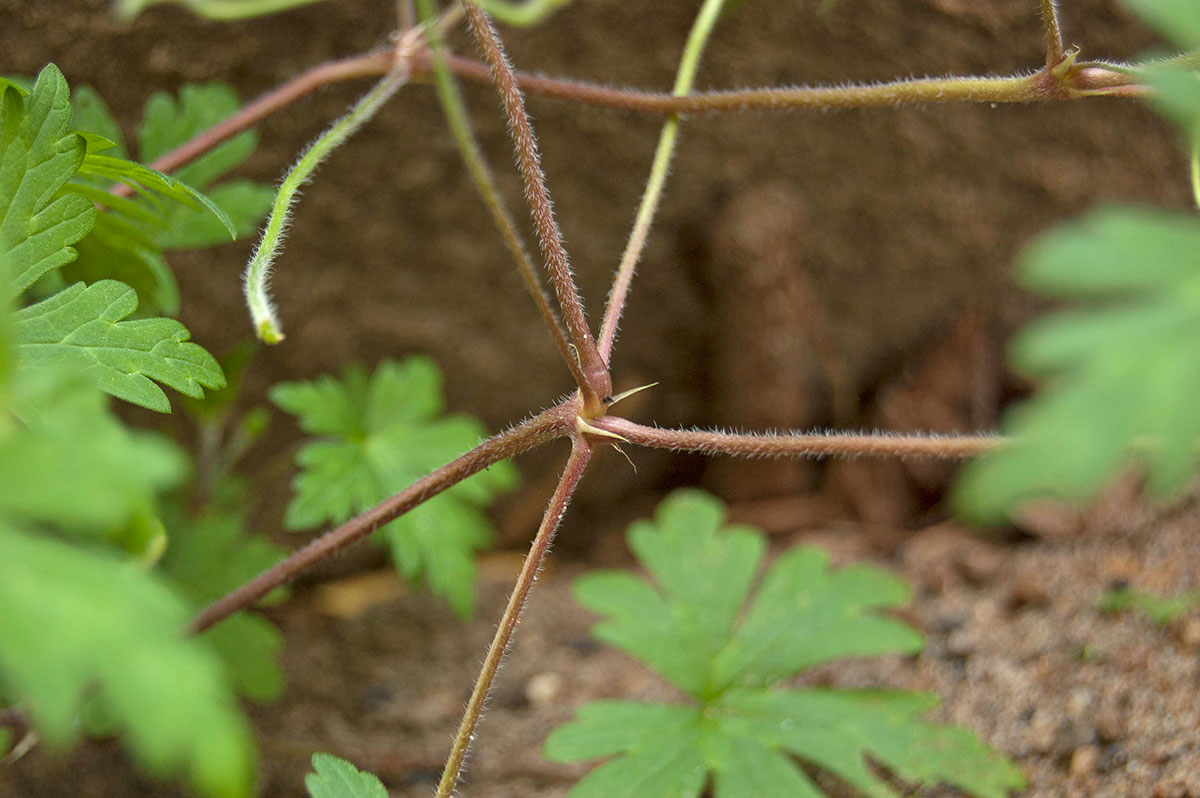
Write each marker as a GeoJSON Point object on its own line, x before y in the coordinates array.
{"type": "Point", "coordinates": [581, 453]}
{"type": "Point", "coordinates": [1036, 87]}
{"type": "Point", "coordinates": [807, 445]}
{"type": "Point", "coordinates": [1053, 30]}
{"type": "Point", "coordinates": [363, 66]}
{"type": "Point", "coordinates": [1094, 80]}
{"type": "Point", "coordinates": [597, 381]}
{"type": "Point", "coordinates": [553, 423]}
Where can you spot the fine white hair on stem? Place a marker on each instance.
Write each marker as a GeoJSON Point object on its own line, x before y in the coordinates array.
{"type": "Point", "coordinates": [258, 271]}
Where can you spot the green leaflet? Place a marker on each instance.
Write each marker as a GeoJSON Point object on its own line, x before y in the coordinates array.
{"type": "Point", "coordinates": [79, 623]}
{"type": "Point", "coordinates": [84, 325]}
{"type": "Point", "coordinates": [701, 626]}
{"type": "Point", "coordinates": [1120, 370]}
{"type": "Point", "coordinates": [378, 434]}
{"type": "Point", "coordinates": [38, 223]}
{"type": "Point", "coordinates": [337, 778]}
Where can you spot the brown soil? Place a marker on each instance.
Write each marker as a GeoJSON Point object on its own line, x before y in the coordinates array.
{"type": "Point", "coordinates": [894, 230]}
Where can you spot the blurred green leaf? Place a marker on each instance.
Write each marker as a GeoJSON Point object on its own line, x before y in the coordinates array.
{"type": "Point", "coordinates": [692, 624]}
{"type": "Point", "coordinates": [208, 557]}
{"type": "Point", "coordinates": [71, 463]}
{"type": "Point", "coordinates": [78, 623]}
{"type": "Point", "coordinates": [1119, 371]}
{"type": "Point", "coordinates": [1178, 20]}
{"type": "Point", "coordinates": [90, 113]}
{"type": "Point", "coordinates": [337, 778]}
{"type": "Point", "coordinates": [379, 434]}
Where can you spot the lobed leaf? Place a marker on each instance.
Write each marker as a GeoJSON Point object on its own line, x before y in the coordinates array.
{"type": "Point", "coordinates": [117, 638]}
{"type": "Point", "coordinates": [743, 735]}
{"type": "Point", "coordinates": [379, 434]}
{"type": "Point", "coordinates": [84, 325]}
{"type": "Point", "coordinates": [1119, 369]}
{"type": "Point", "coordinates": [337, 778]}
{"type": "Point", "coordinates": [38, 220]}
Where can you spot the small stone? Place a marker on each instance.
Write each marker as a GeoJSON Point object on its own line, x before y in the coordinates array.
{"type": "Point", "coordinates": [543, 688]}
{"type": "Point", "coordinates": [1084, 760]}
{"type": "Point", "coordinates": [1187, 631]}
{"type": "Point", "coordinates": [1027, 591]}
{"type": "Point", "coordinates": [1109, 725]}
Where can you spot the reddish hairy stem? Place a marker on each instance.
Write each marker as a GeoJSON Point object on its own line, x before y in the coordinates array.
{"type": "Point", "coordinates": [1093, 80]}
{"type": "Point", "coordinates": [1054, 39]}
{"type": "Point", "coordinates": [363, 66]}
{"type": "Point", "coordinates": [806, 445]}
{"type": "Point", "coordinates": [553, 423]}
{"type": "Point", "coordinates": [597, 381]}
{"type": "Point", "coordinates": [581, 453]}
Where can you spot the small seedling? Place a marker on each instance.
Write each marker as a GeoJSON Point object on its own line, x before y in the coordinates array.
{"type": "Point", "coordinates": [377, 434]}
{"type": "Point", "coordinates": [1159, 609]}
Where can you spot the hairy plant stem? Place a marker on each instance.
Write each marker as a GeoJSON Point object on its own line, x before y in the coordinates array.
{"type": "Point", "coordinates": [768, 445]}
{"type": "Point", "coordinates": [1053, 30]}
{"type": "Point", "coordinates": [267, 325]}
{"type": "Point", "coordinates": [581, 453]}
{"type": "Point", "coordinates": [468, 147]}
{"type": "Point", "coordinates": [701, 30]}
{"type": "Point", "coordinates": [1095, 79]}
{"type": "Point", "coordinates": [553, 423]}
{"type": "Point", "coordinates": [597, 382]}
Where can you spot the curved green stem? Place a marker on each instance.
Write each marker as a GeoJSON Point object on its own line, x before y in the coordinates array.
{"type": "Point", "coordinates": [258, 270]}
{"type": "Point", "coordinates": [688, 64]}
{"type": "Point", "coordinates": [522, 14]}
{"type": "Point", "coordinates": [223, 10]}
{"type": "Point", "coordinates": [1196, 167]}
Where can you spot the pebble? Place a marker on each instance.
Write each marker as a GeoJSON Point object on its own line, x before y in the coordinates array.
{"type": "Point", "coordinates": [1084, 760]}
{"type": "Point", "coordinates": [543, 688]}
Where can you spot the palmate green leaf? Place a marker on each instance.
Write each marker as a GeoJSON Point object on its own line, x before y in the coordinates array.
{"type": "Point", "coordinates": [84, 325]}
{"type": "Point", "coordinates": [209, 556]}
{"type": "Point", "coordinates": [337, 778]}
{"type": "Point", "coordinates": [377, 435]}
{"type": "Point", "coordinates": [700, 627]}
{"type": "Point", "coordinates": [688, 629]}
{"type": "Point", "coordinates": [1120, 370]}
{"type": "Point", "coordinates": [69, 445]}
{"type": "Point", "coordinates": [78, 624]}
{"type": "Point", "coordinates": [167, 123]}
{"type": "Point", "coordinates": [38, 221]}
